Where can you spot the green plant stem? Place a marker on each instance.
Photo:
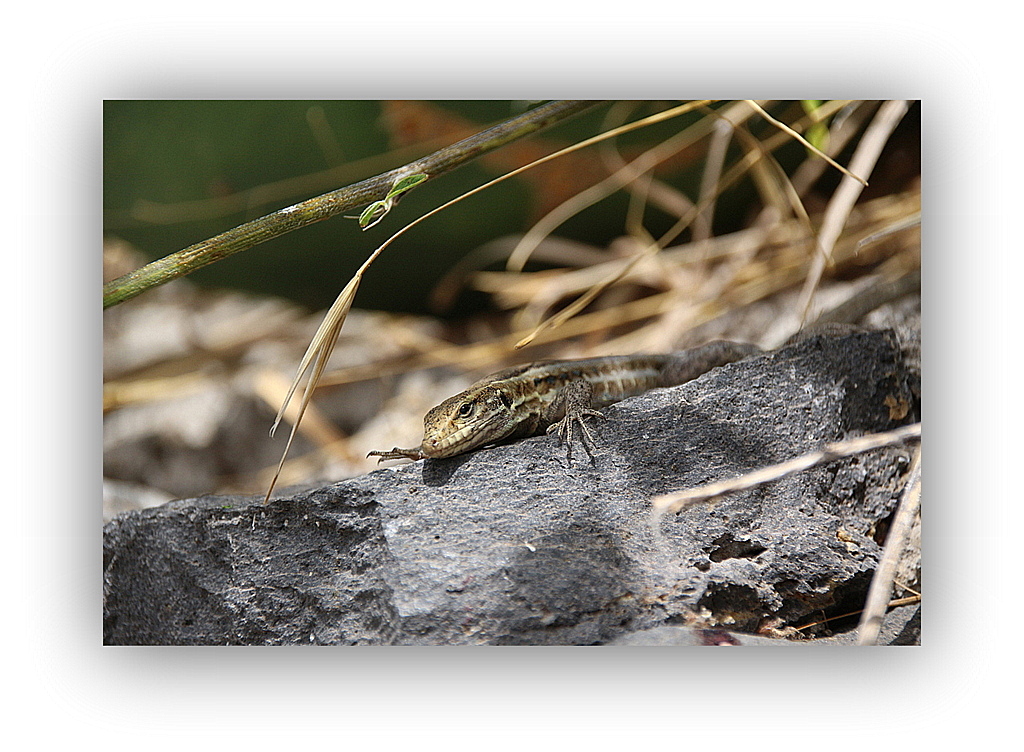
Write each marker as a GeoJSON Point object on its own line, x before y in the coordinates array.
{"type": "Point", "coordinates": [327, 205]}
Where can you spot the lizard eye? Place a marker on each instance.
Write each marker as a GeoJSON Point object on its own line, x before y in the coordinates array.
{"type": "Point", "coordinates": [466, 409]}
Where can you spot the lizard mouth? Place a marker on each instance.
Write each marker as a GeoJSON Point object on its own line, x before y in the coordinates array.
{"type": "Point", "coordinates": [451, 444]}
{"type": "Point", "coordinates": [460, 440]}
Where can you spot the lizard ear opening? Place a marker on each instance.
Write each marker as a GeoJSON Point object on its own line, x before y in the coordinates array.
{"type": "Point", "coordinates": [505, 400]}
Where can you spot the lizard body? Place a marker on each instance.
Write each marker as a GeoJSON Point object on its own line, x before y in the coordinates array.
{"type": "Point", "coordinates": [555, 395]}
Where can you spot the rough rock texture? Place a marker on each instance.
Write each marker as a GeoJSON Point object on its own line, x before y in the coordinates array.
{"type": "Point", "coordinates": [516, 545]}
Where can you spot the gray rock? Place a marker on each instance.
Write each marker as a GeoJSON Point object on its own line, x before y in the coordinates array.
{"type": "Point", "coordinates": [517, 545]}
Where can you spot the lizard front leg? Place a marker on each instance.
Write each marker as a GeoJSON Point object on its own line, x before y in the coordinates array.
{"type": "Point", "coordinates": [574, 400]}
{"type": "Point", "coordinates": [416, 453]}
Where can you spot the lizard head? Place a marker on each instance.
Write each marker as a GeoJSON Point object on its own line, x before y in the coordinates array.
{"type": "Point", "coordinates": [467, 421]}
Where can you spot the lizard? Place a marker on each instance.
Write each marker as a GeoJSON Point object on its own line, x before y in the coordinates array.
{"type": "Point", "coordinates": [554, 395]}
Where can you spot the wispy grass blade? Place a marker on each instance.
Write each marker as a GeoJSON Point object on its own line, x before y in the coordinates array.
{"type": "Point", "coordinates": [316, 357]}
{"type": "Point", "coordinates": [324, 333]}
{"type": "Point", "coordinates": [782, 126]}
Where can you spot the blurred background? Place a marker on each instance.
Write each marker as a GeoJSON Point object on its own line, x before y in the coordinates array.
{"type": "Point", "coordinates": [195, 370]}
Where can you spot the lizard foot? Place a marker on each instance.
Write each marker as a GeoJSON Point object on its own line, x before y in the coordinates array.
{"type": "Point", "coordinates": [564, 428]}
{"type": "Point", "coordinates": [398, 454]}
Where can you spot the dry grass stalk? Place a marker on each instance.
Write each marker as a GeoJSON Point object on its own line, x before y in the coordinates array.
{"type": "Point", "coordinates": [885, 574]}
{"type": "Point", "coordinates": [681, 500]}
{"type": "Point", "coordinates": [907, 223]}
{"type": "Point", "coordinates": [842, 201]}
{"type": "Point", "coordinates": [772, 182]}
{"type": "Point", "coordinates": [271, 387]}
{"type": "Point", "coordinates": [714, 163]}
{"type": "Point", "coordinates": [118, 394]}
{"type": "Point", "coordinates": [655, 192]}
{"type": "Point", "coordinates": [896, 602]}
{"type": "Point", "coordinates": [806, 143]}
{"type": "Point", "coordinates": [847, 123]}
{"type": "Point", "coordinates": [314, 360]}
{"type": "Point", "coordinates": [302, 469]}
